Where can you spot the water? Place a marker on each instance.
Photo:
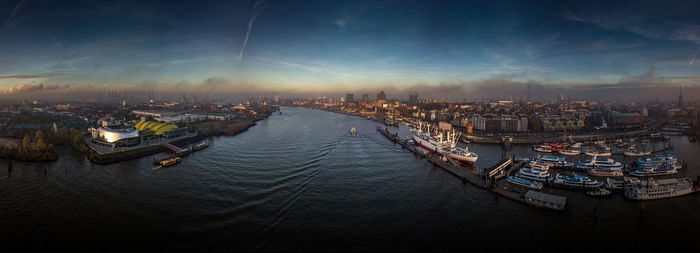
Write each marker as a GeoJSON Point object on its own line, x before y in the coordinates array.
{"type": "Point", "coordinates": [299, 181]}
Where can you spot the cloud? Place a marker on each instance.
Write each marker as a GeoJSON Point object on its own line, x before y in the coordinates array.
{"type": "Point", "coordinates": [644, 26]}
{"type": "Point", "coordinates": [15, 10]}
{"type": "Point", "coordinates": [253, 15]}
{"type": "Point", "coordinates": [340, 23]}
{"type": "Point", "coordinates": [26, 88]}
{"type": "Point", "coordinates": [29, 76]}
{"type": "Point", "coordinates": [314, 67]}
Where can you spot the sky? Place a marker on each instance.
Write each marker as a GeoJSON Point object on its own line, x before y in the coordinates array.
{"type": "Point", "coordinates": [447, 49]}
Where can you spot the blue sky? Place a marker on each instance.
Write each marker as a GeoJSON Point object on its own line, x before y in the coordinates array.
{"type": "Point", "coordinates": [336, 46]}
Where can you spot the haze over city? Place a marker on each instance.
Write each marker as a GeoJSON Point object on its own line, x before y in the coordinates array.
{"type": "Point", "coordinates": [445, 49]}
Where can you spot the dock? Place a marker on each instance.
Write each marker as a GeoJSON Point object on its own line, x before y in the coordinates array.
{"type": "Point", "coordinates": [178, 150]}
{"type": "Point", "coordinates": [483, 178]}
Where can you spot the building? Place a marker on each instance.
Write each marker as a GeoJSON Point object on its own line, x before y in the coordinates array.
{"type": "Point", "coordinates": [412, 98]}
{"type": "Point", "coordinates": [626, 119]}
{"type": "Point", "coordinates": [381, 96]}
{"type": "Point", "coordinates": [365, 98]}
{"type": "Point", "coordinates": [349, 98]}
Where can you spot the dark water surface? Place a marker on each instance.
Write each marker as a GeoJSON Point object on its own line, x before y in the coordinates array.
{"type": "Point", "coordinates": [299, 181]}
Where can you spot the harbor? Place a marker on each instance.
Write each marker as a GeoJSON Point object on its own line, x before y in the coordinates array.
{"type": "Point", "coordinates": [525, 178]}
{"type": "Point", "coordinates": [486, 178]}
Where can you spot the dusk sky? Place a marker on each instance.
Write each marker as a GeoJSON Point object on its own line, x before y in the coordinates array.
{"type": "Point", "coordinates": [309, 47]}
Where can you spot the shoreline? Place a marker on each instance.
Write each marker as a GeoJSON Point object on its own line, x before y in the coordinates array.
{"type": "Point", "coordinates": [152, 150]}
{"type": "Point", "coordinates": [498, 139]}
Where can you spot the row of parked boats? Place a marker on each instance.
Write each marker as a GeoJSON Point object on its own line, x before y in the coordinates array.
{"type": "Point", "coordinates": [536, 174]}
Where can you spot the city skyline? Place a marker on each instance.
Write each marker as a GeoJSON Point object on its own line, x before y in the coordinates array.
{"type": "Point", "coordinates": [447, 49]}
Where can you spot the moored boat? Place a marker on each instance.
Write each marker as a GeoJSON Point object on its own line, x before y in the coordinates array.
{"type": "Point", "coordinates": [653, 171]}
{"type": "Point", "coordinates": [170, 162]}
{"type": "Point", "coordinates": [569, 152]}
{"type": "Point", "coordinates": [535, 174]}
{"type": "Point", "coordinates": [576, 181]}
{"type": "Point", "coordinates": [598, 154]}
{"type": "Point", "coordinates": [524, 182]}
{"type": "Point", "coordinates": [606, 172]}
{"type": "Point", "coordinates": [660, 188]}
{"type": "Point", "coordinates": [599, 193]}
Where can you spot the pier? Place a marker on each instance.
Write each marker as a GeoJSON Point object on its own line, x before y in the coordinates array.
{"type": "Point", "coordinates": [178, 151]}
{"type": "Point", "coordinates": [486, 179]}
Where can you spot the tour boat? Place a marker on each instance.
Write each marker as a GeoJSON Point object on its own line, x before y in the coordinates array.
{"type": "Point", "coordinates": [554, 161]}
{"type": "Point", "coordinates": [653, 171]}
{"type": "Point", "coordinates": [659, 161]}
{"type": "Point", "coordinates": [538, 164]}
{"type": "Point", "coordinates": [535, 174]}
{"type": "Point", "coordinates": [660, 188]}
{"type": "Point", "coordinates": [599, 163]}
{"type": "Point", "coordinates": [576, 181]}
{"type": "Point", "coordinates": [524, 182]}
{"type": "Point", "coordinates": [606, 172]}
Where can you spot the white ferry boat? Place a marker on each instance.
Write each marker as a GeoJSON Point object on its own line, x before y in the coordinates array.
{"type": "Point", "coordinates": [569, 152]}
{"type": "Point", "coordinates": [538, 164]}
{"type": "Point", "coordinates": [576, 181]}
{"type": "Point", "coordinates": [606, 172]}
{"type": "Point", "coordinates": [535, 174]}
{"type": "Point", "coordinates": [653, 171]}
{"type": "Point", "coordinates": [598, 154]}
{"type": "Point", "coordinates": [661, 188]}
{"type": "Point", "coordinates": [599, 163]}
{"type": "Point", "coordinates": [659, 161]}
{"type": "Point", "coordinates": [524, 182]}
{"type": "Point", "coordinates": [554, 161]}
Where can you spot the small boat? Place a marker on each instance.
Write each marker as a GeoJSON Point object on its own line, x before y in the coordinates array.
{"type": "Point", "coordinates": [543, 150]}
{"type": "Point", "coordinates": [464, 140]}
{"type": "Point", "coordinates": [576, 145]}
{"type": "Point", "coordinates": [353, 131]}
{"type": "Point", "coordinates": [636, 153]}
{"type": "Point", "coordinates": [599, 154]}
{"type": "Point", "coordinates": [599, 193]}
{"type": "Point", "coordinates": [524, 182]}
{"type": "Point", "coordinates": [569, 152]}
{"type": "Point", "coordinates": [200, 146]}
{"type": "Point", "coordinates": [169, 162]}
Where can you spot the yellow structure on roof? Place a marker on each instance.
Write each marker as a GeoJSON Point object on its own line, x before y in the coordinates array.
{"type": "Point", "coordinates": [157, 127]}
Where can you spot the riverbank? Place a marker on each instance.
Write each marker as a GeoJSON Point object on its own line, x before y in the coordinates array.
{"type": "Point", "coordinates": [216, 128]}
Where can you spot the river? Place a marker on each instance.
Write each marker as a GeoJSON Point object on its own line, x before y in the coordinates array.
{"type": "Point", "coordinates": [299, 181]}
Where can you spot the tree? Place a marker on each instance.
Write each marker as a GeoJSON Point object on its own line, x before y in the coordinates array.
{"type": "Point", "coordinates": [26, 143]}
{"type": "Point", "coordinates": [40, 144]}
